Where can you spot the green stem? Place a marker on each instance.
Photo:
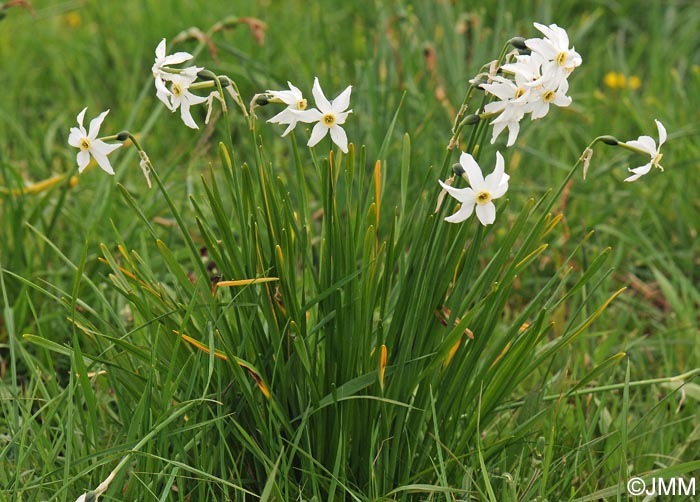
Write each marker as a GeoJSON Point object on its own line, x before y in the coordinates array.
{"type": "Point", "coordinates": [112, 137]}
{"type": "Point", "coordinates": [173, 209]}
{"type": "Point", "coordinates": [224, 109]}
{"type": "Point", "coordinates": [133, 139]}
{"type": "Point", "coordinates": [601, 139]}
{"type": "Point", "coordinates": [461, 118]}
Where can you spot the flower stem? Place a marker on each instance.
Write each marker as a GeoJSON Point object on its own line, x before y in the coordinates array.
{"type": "Point", "coordinates": [462, 118]}
{"type": "Point", "coordinates": [599, 139]}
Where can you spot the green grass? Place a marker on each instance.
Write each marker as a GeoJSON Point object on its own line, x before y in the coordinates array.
{"type": "Point", "coordinates": [567, 387]}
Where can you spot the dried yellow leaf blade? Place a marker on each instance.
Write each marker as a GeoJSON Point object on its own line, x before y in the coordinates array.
{"type": "Point", "coordinates": [245, 282]}
{"type": "Point", "coordinates": [39, 186]}
{"type": "Point", "coordinates": [382, 365]}
{"type": "Point", "coordinates": [201, 346]}
{"type": "Point", "coordinates": [250, 369]}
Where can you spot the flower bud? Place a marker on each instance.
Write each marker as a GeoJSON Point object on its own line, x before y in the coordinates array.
{"type": "Point", "coordinates": [205, 74]}
{"type": "Point", "coordinates": [471, 119]}
{"type": "Point", "coordinates": [609, 140]}
{"type": "Point", "coordinates": [123, 135]}
{"type": "Point", "coordinates": [518, 43]}
{"type": "Point", "coordinates": [224, 81]}
{"type": "Point", "coordinates": [458, 169]}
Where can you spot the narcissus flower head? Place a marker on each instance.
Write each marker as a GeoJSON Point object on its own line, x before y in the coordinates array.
{"type": "Point", "coordinates": [294, 99]}
{"type": "Point", "coordinates": [554, 49]}
{"type": "Point", "coordinates": [531, 82]}
{"type": "Point", "coordinates": [329, 116]}
{"type": "Point", "coordinates": [646, 144]}
{"type": "Point", "coordinates": [181, 97]}
{"type": "Point", "coordinates": [89, 145]}
{"type": "Point", "coordinates": [162, 60]}
{"type": "Point", "coordinates": [161, 73]}
{"type": "Point", "coordinates": [481, 193]}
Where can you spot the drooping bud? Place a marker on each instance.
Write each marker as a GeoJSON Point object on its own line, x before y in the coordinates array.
{"type": "Point", "coordinates": [518, 43]}
{"type": "Point", "coordinates": [205, 74]}
{"type": "Point", "coordinates": [471, 119]}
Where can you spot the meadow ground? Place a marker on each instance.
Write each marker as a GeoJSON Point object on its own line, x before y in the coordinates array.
{"type": "Point", "coordinates": [381, 353]}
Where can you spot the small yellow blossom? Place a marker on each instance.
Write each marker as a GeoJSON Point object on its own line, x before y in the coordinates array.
{"type": "Point", "coordinates": [72, 19]}
{"type": "Point", "coordinates": [616, 81]}
{"type": "Point", "coordinates": [634, 82]}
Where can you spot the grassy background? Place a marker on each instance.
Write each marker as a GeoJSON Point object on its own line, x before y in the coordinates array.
{"type": "Point", "coordinates": [98, 54]}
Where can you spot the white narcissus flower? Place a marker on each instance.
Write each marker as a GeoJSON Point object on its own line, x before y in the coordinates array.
{"type": "Point", "coordinates": [545, 88]}
{"type": "Point", "coordinates": [481, 193]}
{"type": "Point", "coordinates": [181, 97]}
{"type": "Point", "coordinates": [160, 74]}
{"type": "Point", "coordinates": [295, 102]}
{"type": "Point", "coordinates": [512, 107]}
{"type": "Point", "coordinates": [527, 70]}
{"type": "Point", "coordinates": [550, 95]}
{"type": "Point", "coordinates": [532, 82]}
{"type": "Point", "coordinates": [555, 50]}
{"type": "Point", "coordinates": [329, 116]}
{"type": "Point", "coordinates": [88, 144]}
{"type": "Point", "coordinates": [529, 92]}
{"type": "Point", "coordinates": [508, 119]}
{"type": "Point", "coordinates": [646, 144]}
{"type": "Point", "coordinates": [162, 60]}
